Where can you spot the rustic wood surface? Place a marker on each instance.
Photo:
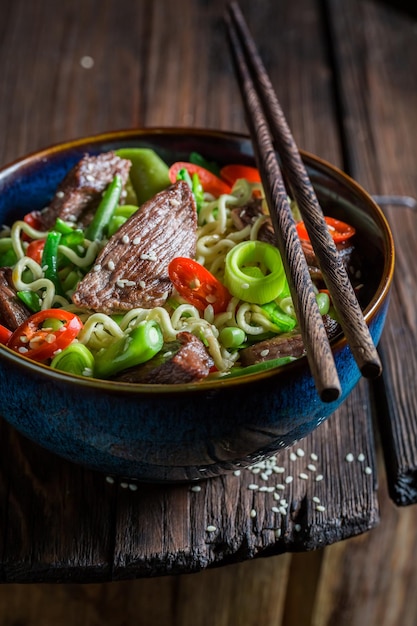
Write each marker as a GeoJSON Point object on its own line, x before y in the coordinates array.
{"type": "Point", "coordinates": [346, 81]}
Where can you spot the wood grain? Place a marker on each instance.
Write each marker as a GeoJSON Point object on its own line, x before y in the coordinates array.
{"type": "Point", "coordinates": [165, 63]}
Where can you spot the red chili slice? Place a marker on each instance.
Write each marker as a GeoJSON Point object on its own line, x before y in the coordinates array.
{"type": "Point", "coordinates": [209, 181]}
{"type": "Point", "coordinates": [31, 339]}
{"type": "Point", "coordinates": [340, 231]}
{"type": "Point", "coordinates": [232, 173]}
{"type": "Point", "coordinates": [197, 285]}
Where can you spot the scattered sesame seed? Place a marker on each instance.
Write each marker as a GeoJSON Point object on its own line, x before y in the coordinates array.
{"type": "Point", "coordinates": [303, 476]}
{"type": "Point", "coordinates": [264, 476]}
{"type": "Point", "coordinates": [361, 457]}
{"type": "Point", "coordinates": [349, 457]}
{"type": "Point", "coordinates": [265, 352]}
{"type": "Point", "coordinates": [97, 267]}
{"type": "Point", "coordinates": [319, 477]}
{"type": "Point", "coordinates": [283, 510]}
{"type": "Point", "coordinates": [253, 513]}
{"type": "Point", "coordinates": [368, 470]}
{"type": "Point", "coordinates": [124, 485]}
{"type": "Point", "coordinates": [111, 265]}
{"type": "Point", "coordinates": [280, 487]}
{"type": "Point", "coordinates": [293, 456]}
{"type": "Point", "coordinates": [253, 487]}
{"type": "Point", "coordinates": [278, 470]}
{"type": "Point", "coordinates": [277, 533]}
{"type": "Point", "coordinates": [314, 457]}
{"type": "Point", "coordinates": [110, 480]}
{"type": "Point", "coordinates": [22, 350]}
{"type": "Point", "coordinates": [142, 284]}
{"type": "Point", "coordinates": [87, 62]}
{"type": "Point", "coordinates": [263, 488]}
{"type": "Point", "coordinates": [297, 528]}
{"type": "Point", "coordinates": [320, 508]}
{"type": "Point", "coordinates": [196, 488]}
{"type": "Point", "coordinates": [300, 452]}
{"type": "Point", "coordinates": [133, 487]}
{"type": "Point", "coordinates": [211, 529]}
{"type": "Point", "coordinates": [289, 479]}
{"type": "Point", "coordinates": [136, 241]}
{"type": "Point", "coordinates": [244, 286]}
{"type": "Point", "coordinates": [275, 509]}
{"type": "Point", "coordinates": [236, 472]}
{"type": "Point", "coordinates": [311, 467]}
{"type": "Point", "coordinates": [316, 499]}
{"type": "Point", "coordinates": [59, 194]}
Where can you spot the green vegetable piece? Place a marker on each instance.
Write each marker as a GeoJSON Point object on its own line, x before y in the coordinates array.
{"type": "Point", "coordinates": [50, 260]}
{"type": "Point", "coordinates": [63, 227]}
{"type": "Point", "coordinates": [31, 300]}
{"type": "Point", "coordinates": [105, 210]}
{"type": "Point", "coordinates": [149, 174]}
{"type": "Point", "coordinates": [75, 359]}
{"type": "Point", "coordinates": [140, 345]}
{"type": "Point", "coordinates": [254, 272]}
{"type": "Point", "coordinates": [259, 367]}
{"type": "Point", "coordinates": [211, 166]}
{"type": "Point", "coordinates": [232, 337]}
{"type": "Point", "coordinates": [323, 302]}
{"type": "Point", "coordinates": [114, 224]}
{"type": "Point", "coordinates": [277, 316]}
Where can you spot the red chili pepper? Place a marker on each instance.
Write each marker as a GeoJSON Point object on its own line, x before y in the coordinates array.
{"type": "Point", "coordinates": [209, 181]}
{"type": "Point", "coordinates": [232, 173]}
{"type": "Point", "coordinates": [36, 342]}
{"type": "Point", "coordinates": [340, 231]}
{"type": "Point", "coordinates": [33, 220]}
{"type": "Point", "coordinates": [35, 250]}
{"type": "Point", "coordinates": [197, 285]}
{"type": "Point", "coordinates": [5, 334]}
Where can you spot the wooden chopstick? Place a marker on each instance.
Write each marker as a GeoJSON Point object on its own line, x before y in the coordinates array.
{"type": "Point", "coordinates": [270, 134]}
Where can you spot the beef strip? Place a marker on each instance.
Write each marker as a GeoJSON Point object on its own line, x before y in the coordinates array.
{"type": "Point", "coordinates": [79, 194]}
{"type": "Point", "coordinates": [184, 360]}
{"type": "Point", "coordinates": [12, 310]}
{"type": "Point", "coordinates": [274, 348]}
{"type": "Point", "coordinates": [242, 216]}
{"type": "Point", "coordinates": [132, 269]}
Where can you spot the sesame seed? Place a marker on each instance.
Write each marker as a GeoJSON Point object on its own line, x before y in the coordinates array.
{"type": "Point", "coordinates": [314, 457]}
{"type": "Point", "coordinates": [22, 350]}
{"type": "Point", "coordinates": [316, 499]}
{"type": "Point", "coordinates": [236, 472]}
{"type": "Point", "coordinates": [124, 485]}
{"type": "Point", "coordinates": [283, 510]}
{"type": "Point", "coordinates": [133, 487]}
{"type": "Point", "coordinates": [142, 284]}
{"type": "Point", "coordinates": [87, 62]}
{"type": "Point", "coordinates": [349, 457]}
{"type": "Point", "coordinates": [277, 533]}
{"type": "Point", "coordinates": [368, 470]}
{"type": "Point", "coordinates": [361, 457]}
{"type": "Point", "coordinates": [311, 467]}
{"type": "Point", "coordinates": [59, 194]}
{"type": "Point", "coordinates": [263, 488]}
{"type": "Point", "coordinates": [211, 529]}
{"type": "Point", "coordinates": [136, 241]}
{"type": "Point", "coordinates": [125, 239]}
{"type": "Point", "coordinates": [320, 508]}
{"type": "Point", "coordinates": [289, 479]}
{"type": "Point", "coordinates": [244, 286]}
{"type": "Point", "coordinates": [278, 469]}
{"type": "Point", "coordinates": [275, 509]}
{"type": "Point", "coordinates": [196, 488]}
{"type": "Point", "coordinates": [111, 265]}
{"type": "Point", "coordinates": [300, 452]}
{"type": "Point", "coordinates": [253, 487]}
{"type": "Point", "coordinates": [293, 456]}
{"type": "Point", "coordinates": [265, 352]}
{"type": "Point", "coordinates": [297, 528]}
{"type": "Point", "coordinates": [303, 476]}
{"type": "Point", "coordinates": [253, 513]}
{"type": "Point", "coordinates": [110, 480]}
{"type": "Point", "coordinates": [319, 477]}
{"type": "Point", "coordinates": [97, 267]}
{"type": "Point", "coordinates": [283, 502]}
{"type": "Point", "coordinates": [264, 476]}
{"type": "Point", "coordinates": [280, 487]}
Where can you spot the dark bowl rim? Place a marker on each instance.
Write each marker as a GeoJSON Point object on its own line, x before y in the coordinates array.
{"type": "Point", "coordinates": [323, 165]}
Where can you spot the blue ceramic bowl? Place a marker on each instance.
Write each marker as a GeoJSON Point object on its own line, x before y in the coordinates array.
{"type": "Point", "coordinates": [181, 432]}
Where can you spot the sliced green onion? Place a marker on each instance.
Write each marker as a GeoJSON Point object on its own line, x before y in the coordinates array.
{"type": "Point", "coordinates": [105, 210]}
{"type": "Point", "coordinates": [75, 359]}
{"type": "Point", "coordinates": [254, 272]}
{"type": "Point", "coordinates": [140, 345]}
{"type": "Point", "coordinates": [232, 337]}
{"type": "Point", "coordinates": [63, 227]}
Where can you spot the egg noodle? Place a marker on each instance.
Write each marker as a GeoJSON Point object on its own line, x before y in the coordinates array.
{"type": "Point", "coordinates": [216, 236]}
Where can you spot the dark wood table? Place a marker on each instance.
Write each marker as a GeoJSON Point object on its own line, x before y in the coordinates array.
{"type": "Point", "coordinates": [345, 75]}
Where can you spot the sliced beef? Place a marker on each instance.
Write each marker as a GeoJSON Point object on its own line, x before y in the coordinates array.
{"type": "Point", "coordinates": [12, 310]}
{"type": "Point", "coordinates": [274, 348]}
{"type": "Point", "coordinates": [79, 194]}
{"type": "Point", "coordinates": [182, 361]}
{"type": "Point", "coordinates": [132, 269]}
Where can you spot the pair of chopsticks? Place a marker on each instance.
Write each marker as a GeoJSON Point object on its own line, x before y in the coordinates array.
{"type": "Point", "coordinates": [271, 135]}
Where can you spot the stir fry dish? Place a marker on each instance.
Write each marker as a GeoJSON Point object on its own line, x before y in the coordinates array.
{"type": "Point", "coordinates": [146, 272]}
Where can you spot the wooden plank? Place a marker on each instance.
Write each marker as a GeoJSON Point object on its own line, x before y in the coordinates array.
{"type": "Point", "coordinates": [379, 100]}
